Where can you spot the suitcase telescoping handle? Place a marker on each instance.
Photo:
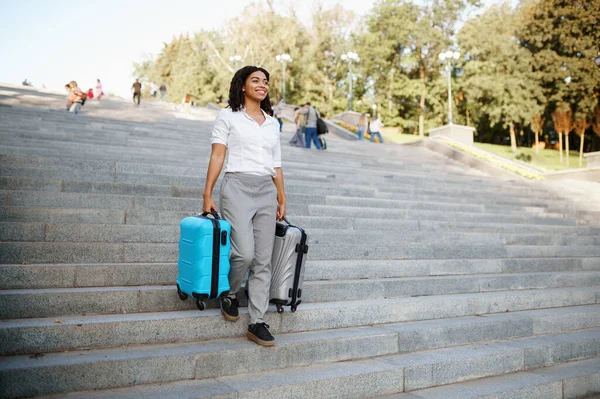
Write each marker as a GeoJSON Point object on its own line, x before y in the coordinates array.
{"type": "Point", "coordinates": [214, 213]}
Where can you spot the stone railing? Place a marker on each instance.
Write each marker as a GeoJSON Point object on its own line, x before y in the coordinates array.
{"type": "Point", "coordinates": [592, 159]}
{"type": "Point", "coordinates": [349, 117]}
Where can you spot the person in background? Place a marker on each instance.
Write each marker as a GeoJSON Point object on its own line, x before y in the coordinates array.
{"type": "Point", "coordinates": [374, 128]}
{"type": "Point", "coordinates": [153, 89]}
{"type": "Point", "coordinates": [76, 98]}
{"type": "Point", "coordinates": [163, 91]}
{"type": "Point", "coordinates": [187, 103]}
{"type": "Point", "coordinates": [90, 93]}
{"type": "Point", "coordinates": [321, 133]}
{"type": "Point", "coordinates": [278, 112]}
{"type": "Point", "coordinates": [298, 139]}
{"type": "Point", "coordinates": [68, 90]}
{"type": "Point", "coordinates": [99, 93]}
{"type": "Point", "coordinates": [362, 125]}
{"type": "Point", "coordinates": [311, 115]}
{"type": "Point", "coordinates": [137, 91]}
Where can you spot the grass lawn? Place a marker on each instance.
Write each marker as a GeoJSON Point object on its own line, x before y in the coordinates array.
{"type": "Point", "coordinates": [393, 134]}
{"type": "Point", "coordinates": [548, 160]}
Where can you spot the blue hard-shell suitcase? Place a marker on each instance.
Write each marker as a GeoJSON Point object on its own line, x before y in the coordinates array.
{"type": "Point", "coordinates": [203, 266]}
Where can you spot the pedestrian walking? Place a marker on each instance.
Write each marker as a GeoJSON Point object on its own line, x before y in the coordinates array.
{"type": "Point", "coordinates": [362, 125]}
{"type": "Point", "coordinates": [374, 127]}
{"type": "Point", "coordinates": [311, 115]}
{"type": "Point", "coordinates": [99, 92]}
{"type": "Point", "coordinates": [137, 91]}
{"type": "Point", "coordinates": [278, 111]}
{"type": "Point", "coordinates": [322, 130]}
{"type": "Point", "coordinates": [298, 139]}
{"type": "Point", "coordinates": [187, 103]}
{"type": "Point", "coordinates": [68, 102]}
{"type": "Point", "coordinates": [76, 98]}
{"type": "Point", "coordinates": [252, 192]}
{"type": "Point", "coordinates": [163, 91]}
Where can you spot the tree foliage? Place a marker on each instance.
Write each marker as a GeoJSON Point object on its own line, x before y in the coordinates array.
{"type": "Point", "coordinates": [517, 65]}
{"type": "Point", "coordinates": [497, 73]}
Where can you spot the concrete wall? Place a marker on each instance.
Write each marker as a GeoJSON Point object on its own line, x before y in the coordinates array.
{"type": "Point", "coordinates": [585, 174]}
{"type": "Point", "coordinates": [592, 159]}
{"type": "Point", "coordinates": [349, 117]}
{"type": "Point", "coordinates": [459, 133]}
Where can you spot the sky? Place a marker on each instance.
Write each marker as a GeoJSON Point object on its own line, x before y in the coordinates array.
{"type": "Point", "coordinates": [51, 42]}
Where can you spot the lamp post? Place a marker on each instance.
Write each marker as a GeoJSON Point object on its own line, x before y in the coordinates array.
{"type": "Point", "coordinates": [284, 59]}
{"type": "Point", "coordinates": [447, 57]}
{"type": "Point", "coordinates": [350, 57]}
{"type": "Point", "coordinates": [235, 59]}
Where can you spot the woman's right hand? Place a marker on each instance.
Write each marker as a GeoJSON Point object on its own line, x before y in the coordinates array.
{"type": "Point", "coordinates": [208, 204]}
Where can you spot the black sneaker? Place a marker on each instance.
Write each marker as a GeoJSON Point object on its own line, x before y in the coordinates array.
{"type": "Point", "coordinates": [260, 334]}
{"type": "Point", "coordinates": [229, 308]}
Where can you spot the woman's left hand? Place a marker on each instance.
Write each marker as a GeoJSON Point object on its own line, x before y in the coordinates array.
{"type": "Point", "coordinates": [280, 211]}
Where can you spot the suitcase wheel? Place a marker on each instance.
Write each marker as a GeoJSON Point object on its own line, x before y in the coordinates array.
{"type": "Point", "coordinates": [200, 305]}
{"type": "Point", "coordinates": [295, 306]}
{"type": "Point", "coordinates": [182, 295]}
{"type": "Point", "coordinates": [279, 309]}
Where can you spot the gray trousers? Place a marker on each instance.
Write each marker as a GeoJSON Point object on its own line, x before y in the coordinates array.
{"type": "Point", "coordinates": [249, 203]}
{"type": "Point", "coordinates": [298, 139]}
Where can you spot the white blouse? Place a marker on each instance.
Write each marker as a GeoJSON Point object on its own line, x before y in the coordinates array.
{"type": "Point", "coordinates": [252, 148]}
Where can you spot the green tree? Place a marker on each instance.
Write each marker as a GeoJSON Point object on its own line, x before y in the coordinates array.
{"type": "Point", "coordinates": [402, 42]}
{"type": "Point", "coordinates": [320, 66]}
{"type": "Point", "coordinates": [497, 74]}
{"type": "Point", "coordinates": [564, 38]}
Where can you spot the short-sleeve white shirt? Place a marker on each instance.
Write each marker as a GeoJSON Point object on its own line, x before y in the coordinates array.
{"type": "Point", "coordinates": [252, 148]}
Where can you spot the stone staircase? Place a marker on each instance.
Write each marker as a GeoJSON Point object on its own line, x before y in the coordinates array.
{"type": "Point", "coordinates": [424, 279]}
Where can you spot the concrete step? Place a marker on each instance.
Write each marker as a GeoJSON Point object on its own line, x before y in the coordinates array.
{"type": "Point", "coordinates": [24, 192]}
{"type": "Point", "coordinates": [40, 199]}
{"type": "Point", "coordinates": [194, 175]}
{"type": "Point", "coordinates": [395, 213]}
{"type": "Point", "coordinates": [84, 252]}
{"type": "Point", "coordinates": [396, 227]}
{"type": "Point", "coordinates": [42, 335]}
{"type": "Point", "coordinates": [451, 365]}
{"type": "Point", "coordinates": [336, 166]}
{"type": "Point", "coordinates": [573, 380]}
{"type": "Point", "coordinates": [413, 201]}
{"type": "Point", "coordinates": [294, 375]}
{"type": "Point", "coordinates": [164, 174]}
{"type": "Point", "coordinates": [49, 302]}
{"type": "Point", "coordinates": [145, 190]}
{"type": "Point", "coordinates": [63, 215]}
{"type": "Point", "coordinates": [33, 276]}
{"type": "Point", "coordinates": [115, 233]}
{"type": "Point", "coordinates": [392, 181]}
{"type": "Point", "coordinates": [23, 167]}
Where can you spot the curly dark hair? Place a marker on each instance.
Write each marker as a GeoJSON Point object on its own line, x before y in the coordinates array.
{"type": "Point", "coordinates": [236, 95]}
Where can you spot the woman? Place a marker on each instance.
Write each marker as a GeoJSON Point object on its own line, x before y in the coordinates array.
{"type": "Point", "coordinates": [252, 192]}
{"type": "Point", "coordinates": [362, 125]}
{"type": "Point", "coordinates": [99, 92]}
